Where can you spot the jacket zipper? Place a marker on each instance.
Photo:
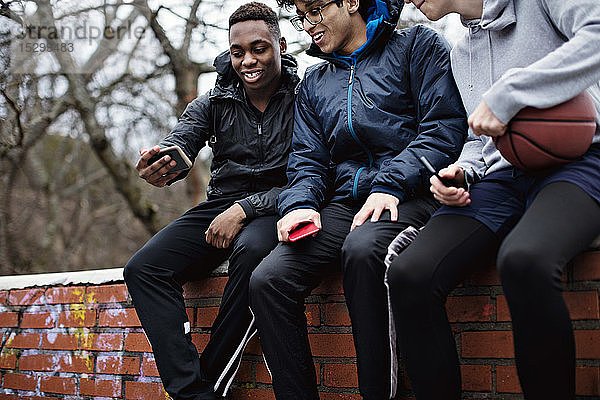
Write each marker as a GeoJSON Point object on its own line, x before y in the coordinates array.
{"type": "Point", "coordinates": [351, 129]}
{"type": "Point", "coordinates": [260, 146]}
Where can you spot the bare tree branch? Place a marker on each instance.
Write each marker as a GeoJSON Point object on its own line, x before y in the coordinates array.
{"type": "Point", "coordinates": [17, 111]}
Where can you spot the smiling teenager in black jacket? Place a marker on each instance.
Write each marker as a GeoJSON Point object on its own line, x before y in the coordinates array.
{"type": "Point", "coordinates": [247, 120]}
{"type": "Point", "coordinates": [363, 117]}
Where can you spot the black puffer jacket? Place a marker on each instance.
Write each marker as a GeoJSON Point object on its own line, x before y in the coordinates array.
{"type": "Point", "coordinates": [362, 121]}
{"type": "Point", "coordinates": [249, 155]}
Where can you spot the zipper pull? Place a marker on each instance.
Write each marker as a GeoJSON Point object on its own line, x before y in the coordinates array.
{"type": "Point", "coordinates": [351, 74]}
{"type": "Point", "coordinates": [260, 129]}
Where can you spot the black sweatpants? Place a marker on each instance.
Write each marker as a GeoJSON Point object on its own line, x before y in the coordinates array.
{"type": "Point", "coordinates": [154, 277]}
{"type": "Point", "coordinates": [282, 281]}
{"type": "Point", "coordinates": [561, 221]}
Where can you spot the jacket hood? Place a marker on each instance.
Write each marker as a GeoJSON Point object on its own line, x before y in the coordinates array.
{"type": "Point", "coordinates": [229, 84]}
{"type": "Point", "coordinates": [496, 15]}
{"type": "Point", "coordinates": [382, 18]}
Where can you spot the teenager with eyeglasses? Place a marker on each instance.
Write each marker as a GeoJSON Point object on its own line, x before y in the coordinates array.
{"type": "Point", "coordinates": [380, 99]}
{"type": "Point", "coordinates": [516, 53]}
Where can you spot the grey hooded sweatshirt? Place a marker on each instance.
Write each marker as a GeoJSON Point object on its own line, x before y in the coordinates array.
{"type": "Point", "coordinates": [525, 53]}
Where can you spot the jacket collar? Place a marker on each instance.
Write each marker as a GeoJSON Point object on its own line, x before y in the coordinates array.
{"type": "Point", "coordinates": [230, 86]}
{"type": "Point", "coordinates": [381, 22]}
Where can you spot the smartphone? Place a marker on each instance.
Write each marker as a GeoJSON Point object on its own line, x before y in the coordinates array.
{"type": "Point", "coordinates": [175, 152]}
{"type": "Point", "coordinates": [430, 168]}
{"type": "Point", "coordinates": [303, 230]}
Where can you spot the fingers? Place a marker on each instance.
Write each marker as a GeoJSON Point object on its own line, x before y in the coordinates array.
{"type": "Point", "coordinates": [360, 218]}
{"type": "Point", "coordinates": [294, 218]}
{"type": "Point", "coordinates": [451, 196]}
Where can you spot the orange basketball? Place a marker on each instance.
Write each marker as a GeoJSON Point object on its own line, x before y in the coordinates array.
{"type": "Point", "coordinates": [541, 138]}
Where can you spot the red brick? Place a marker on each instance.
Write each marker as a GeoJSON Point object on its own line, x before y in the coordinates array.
{"type": "Point", "coordinates": [252, 394]}
{"type": "Point", "coordinates": [486, 276]}
{"type": "Point", "coordinates": [75, 364]}
{"type": "Point", "coordinates": [36, 362]}
{"type": "Point", "coordinates": [490, 344]}
{"type": "Point", "coordinates": [102, 341]}
{"type": "Point", "coordinates": [582, 305]}
{"type": "Point", "coordinates": [331, 285]}
{"type": "Point", "coordinates": [37, 321]}
{"type": "Point", "coordinates": [587, 343]}
{"type": "Point", "coordinates": [507, 380]}
{"type": "Point", "coordinates": [206, 316]}
{"type": "Point", "coordinates": [3, 296]}
{"type": "Point", "coordinates": [60, 341]}
{"type": "Point", "coordinates": [587, 266]}
{"type": "Point", "coordinates": [502, 311]}
{"type": "Point", "coordinates": [9, 319]}
{"type": "Point", "coordinates": [57, 384]}
{"type": "Point", "coordinates": [9, 397]}
{"type": "Point", "coordinates": [244, 372]}
{"type": "Point", "coordinates": [144, 390]}
{"type": "Point", "coordinates": [262, 373]}
{"type": "Point", "coordinates": [100, 387]}
{"type": "Point", "coordinates": [106, 294]}
{"type": "Point", "coordinates": [77, 318]}
{"type": "Point", "coordinates": [470, 308]}
{"type": "Point", "coordinates": [119, 317]}
{"type": "Point", "coordinates": [26, 297]}
{"type": "Point", "coordinates": [200, 340]}
{"type": "Point", "coordinates": [37, 398]}
{"type": "Point", "coordinates": [137, 342]}
{"type": "Point", "coordinates": [209, 287]}
{"type": "Point", "coordinates": [149, 367]}
{"type": "Point", "coordinates": [339, 396]}
{"type": "Point", "coordinates": [313, 315]}
{"type": "Point", "coordinates": [23, 341]}
{"type": "Point", "coordinates": [253, 347]}
{"type": "Point", "coordinates": [190, 314]}
{"type": "Point", "coordinates": [336, 314]}
{"type": "Point", "coordinates": [340, 375]}
{"type": "Point", "coordinates": [587, 381]}
{"type": "Point", "coordinates": [332, 345]}
{"type": "Point", "coordinates": [65, 295]}
{"type": "Point", "coordinates": [476, 377]}
{"type": "Point", "coordinates": [20, 382]}
{"type": "Point", "coordinates": [8, 360]}
{"type": "Point", "coordinates": [118, 365]}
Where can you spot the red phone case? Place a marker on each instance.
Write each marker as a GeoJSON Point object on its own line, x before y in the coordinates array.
{"type": "Point", "coordinates": [303, 231]}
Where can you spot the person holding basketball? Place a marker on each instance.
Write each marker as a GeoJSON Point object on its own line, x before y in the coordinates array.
{"type": "Point", "coordinates": [517, 53]}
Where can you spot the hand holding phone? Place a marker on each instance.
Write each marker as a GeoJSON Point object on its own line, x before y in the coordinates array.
{"type": "Point", "coordinates": [303, 230]}
{"type": "Point", "coordinates": [176, 154]}
{"type": "Point", "coordinates": [430, 168]}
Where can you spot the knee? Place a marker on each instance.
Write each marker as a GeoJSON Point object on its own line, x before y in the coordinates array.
{"type": "Point", "coordinates": [249, 253]}
{"type": "Point", "coordinates": [133, 269]}
{"type": "Point", "coordinates": [520, 265]}
{"type": "Point", "coordinates": [409, 287]}
{"type": "Point", "coordinates": [263, 278]}
{"type": "Point", "coordinates": [357, 247]}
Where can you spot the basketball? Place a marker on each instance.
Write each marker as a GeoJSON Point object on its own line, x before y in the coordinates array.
{"type": "Point", "coordinates": [541, 138]}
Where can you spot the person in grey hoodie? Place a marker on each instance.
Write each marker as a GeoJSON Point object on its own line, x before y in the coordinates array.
{"type": "Point", "coordinates": [517, 53]}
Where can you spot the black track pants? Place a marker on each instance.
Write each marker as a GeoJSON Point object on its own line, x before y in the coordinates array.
{"type": "Point", "coordinates": [560, 223]}
{"type": "Point", "coordinates": [286, 277]}
{"type": "Point", "coordinates": [154, 277]}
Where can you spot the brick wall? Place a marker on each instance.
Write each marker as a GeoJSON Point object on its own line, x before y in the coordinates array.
{"type": "Point", "coordinates": [85, 342]}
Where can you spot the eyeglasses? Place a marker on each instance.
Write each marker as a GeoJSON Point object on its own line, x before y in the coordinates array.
{"type": "Point", "coordinates": [312, 16]}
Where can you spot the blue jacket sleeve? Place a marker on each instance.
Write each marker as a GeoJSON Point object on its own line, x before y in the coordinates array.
{"type": "Point", "coordinates": [441, 118]}
{"type": "Point", "coordinates": [191, 131]}
{"type": "Point", "coordinates": [308, 171]}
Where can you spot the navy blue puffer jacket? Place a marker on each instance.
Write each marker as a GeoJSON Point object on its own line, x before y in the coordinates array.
{"type": "Point", "coordinates": [361, 122]}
